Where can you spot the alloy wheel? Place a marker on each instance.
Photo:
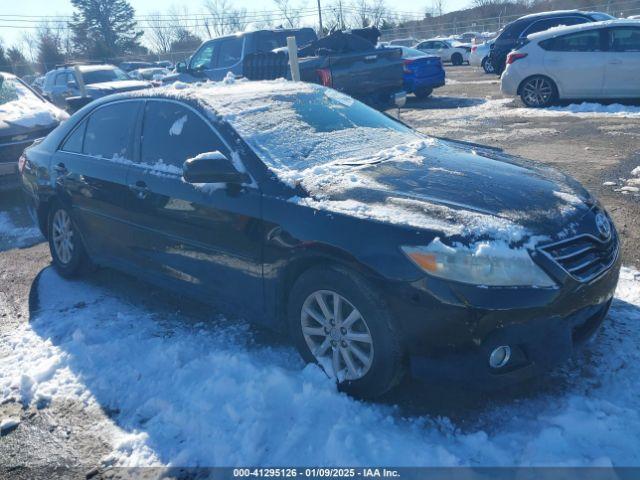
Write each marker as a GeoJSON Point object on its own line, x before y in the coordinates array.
{"type": "Point", "coordinates": [337, 335]}
{"type": "Point", "coordinates": [62, 236]}
{"type": "Point", "coordinates": [537, 92]}
{"type": "Point", "coordinates": [488, 66]}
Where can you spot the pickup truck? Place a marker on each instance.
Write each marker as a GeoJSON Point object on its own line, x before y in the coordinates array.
{"type": "Point", "coordinates": [346, 61]}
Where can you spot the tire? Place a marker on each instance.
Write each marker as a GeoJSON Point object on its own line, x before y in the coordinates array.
{"type": "Point", "coordinates": [456, 59]}
{"type": "Point", "coordinates": [423, 93]}
{"type": "Point", "coordinates": [66, 247]}
{"type": "Point", "coordinates": [487, 66]}
{"type": "Point", "coordinates": [538, 91]}
{"type": "Point", "coordinates": [377, 363]}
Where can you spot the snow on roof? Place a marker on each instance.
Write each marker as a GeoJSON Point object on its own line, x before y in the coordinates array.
{"type": "Point", "coordinates": [95, 68]}
{"type": "Point", "coordinates": [563, 29]}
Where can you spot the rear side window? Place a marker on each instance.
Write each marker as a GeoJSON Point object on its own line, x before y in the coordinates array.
{"type": "Point", "coordinates": [589, 41]}
{"type": "Point", "coordinates": [61, 79]}
{"type": "Point", "coordinates": [624, 39]}
{"type": "Point", "coordinates": [229, 52]}
{"type": "Point", "coordinates": [108, 131]}
{"type": "Point", "coordinates": [73, 143]}
{"type": "Point", "coordinates": [546, 24]}
{"type": "Point", "coordinates": [172, 133]}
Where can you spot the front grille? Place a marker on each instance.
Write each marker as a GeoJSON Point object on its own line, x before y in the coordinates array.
{"type": "Point", "coordinates": [584, 257]}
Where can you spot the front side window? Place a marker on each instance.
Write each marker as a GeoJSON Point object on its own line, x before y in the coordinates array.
{"type": "Point", "coordinates": [109, 131]}
{"type": "Point", "coordinates": [589, 41]}
{"type": "Point", "coordinates": [61, 80]}
{"type": "Point", "coordinates": [624, 39]}
{"type": "Point", "coordinates": [172, 133]}
{"type": "Point", "coordinates": [202, 59]}
{"type": "Point", "coordinates": [230, 52]}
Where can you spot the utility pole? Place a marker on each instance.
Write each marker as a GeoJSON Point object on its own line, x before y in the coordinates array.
{"type": "Point", "coordinates": [320, 20]}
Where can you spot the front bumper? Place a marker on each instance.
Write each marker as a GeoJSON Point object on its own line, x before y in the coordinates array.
{"type": "Point", "coordinates": [450, 329]}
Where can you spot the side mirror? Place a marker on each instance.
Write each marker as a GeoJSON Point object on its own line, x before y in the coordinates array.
{"type": "Point", "coordinates": [212, 167]}
{"type": "Point", "coordinates": [181, 67]}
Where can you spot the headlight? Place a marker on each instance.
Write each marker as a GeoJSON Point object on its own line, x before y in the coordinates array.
{"type": "Point", "coordinates": [484, 263]}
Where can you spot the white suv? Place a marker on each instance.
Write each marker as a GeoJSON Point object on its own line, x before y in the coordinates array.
{"type": "Point", "coordinates": [588, 61]}
{"type": "Point", "coordinates": [445, 49]}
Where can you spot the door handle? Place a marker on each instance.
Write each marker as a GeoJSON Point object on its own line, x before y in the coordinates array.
{"type": "Point", "coordinates": [140, 189]}
{"type": "Point", "coordinates": [61, 168]}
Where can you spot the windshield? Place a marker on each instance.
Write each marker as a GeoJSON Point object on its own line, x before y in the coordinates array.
{"type": "Point", "coordinates": [104, 75]}
{"type": "Point", "coordinates": [297, 130]}
{"type": "Point", "coordinates": [12, 90]}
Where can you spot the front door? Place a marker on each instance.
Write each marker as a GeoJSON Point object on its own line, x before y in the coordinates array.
{"type": "Point", "coordinates": [206, 237]}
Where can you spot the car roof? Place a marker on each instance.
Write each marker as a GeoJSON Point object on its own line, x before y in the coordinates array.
{"type": "Point", "coordinates": [552, 13]}
{"type": "Point", "coordinates": [562, 29]}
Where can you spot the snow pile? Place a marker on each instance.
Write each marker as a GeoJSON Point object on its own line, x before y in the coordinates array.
{"type": "Point", "coordinates": [27, 110]}
{"type": "Point", "coordinates": [190, 394]}
{"type": "Point", "coordinates": [16, 236]}
{"type": "Point", "coordinates": [627, 186]}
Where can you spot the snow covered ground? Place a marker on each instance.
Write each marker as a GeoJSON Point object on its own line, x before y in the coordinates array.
{"type": "Point", "coordinates": [184, 393]}
{"type": "Point", "coordinates": [15, 232]}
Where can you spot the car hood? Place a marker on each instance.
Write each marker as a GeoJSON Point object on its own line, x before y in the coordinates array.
{"type": "Point", "coordinates": [25, 116]}
{"type": "Point", "coordinates": [107, 88]}
{"type": "Point", "coordinates": [459, 189]}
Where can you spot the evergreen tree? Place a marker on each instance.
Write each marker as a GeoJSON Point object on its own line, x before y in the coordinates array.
{"type": "Point", "coordinates": [104, 29]}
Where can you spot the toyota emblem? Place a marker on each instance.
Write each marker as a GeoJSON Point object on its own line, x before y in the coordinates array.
{"type": "Point", "coordinates": [603, 225]}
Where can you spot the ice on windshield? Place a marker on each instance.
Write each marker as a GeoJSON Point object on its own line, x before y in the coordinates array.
{"type": "Point", "coordinates": [309, 127]}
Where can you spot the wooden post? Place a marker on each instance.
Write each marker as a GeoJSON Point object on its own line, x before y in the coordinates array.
{"type": "Point", "coordinates": [293, 58]}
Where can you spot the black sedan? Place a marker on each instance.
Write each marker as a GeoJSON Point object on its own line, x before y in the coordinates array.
{"type": "Point", "coordinates": [379, 250]}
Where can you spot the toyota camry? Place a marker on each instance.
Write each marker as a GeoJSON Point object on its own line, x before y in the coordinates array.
{"type": "Point", "coordinates": [381, 251]}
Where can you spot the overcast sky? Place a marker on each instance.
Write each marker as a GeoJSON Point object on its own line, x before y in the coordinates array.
{"type": "Point", "coordinates": [63, 7]}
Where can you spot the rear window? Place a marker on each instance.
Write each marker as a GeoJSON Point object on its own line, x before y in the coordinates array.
{"type": "Point", "coordinates": [268, 41]}
{"type": "Point", "coordinates": [100, 76]}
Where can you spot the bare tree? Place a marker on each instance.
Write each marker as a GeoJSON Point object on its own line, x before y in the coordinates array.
{"type": "Point", "coordinates": [160, 33]}
{"type": "Point", "coordinates": [223, 18]}
{"type": "Point", "coordinates": [290, 13]}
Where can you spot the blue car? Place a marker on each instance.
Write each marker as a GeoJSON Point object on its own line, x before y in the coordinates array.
{"type": "Point", "coordinates": [422, 73]}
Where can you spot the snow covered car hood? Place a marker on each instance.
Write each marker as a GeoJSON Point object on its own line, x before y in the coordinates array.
{"type": "Point", "coordinates": [25, 115]}
{"type": "Point", "coordinates": [483, 189]}
{"type": "Point", "coordinates": [106, 88]}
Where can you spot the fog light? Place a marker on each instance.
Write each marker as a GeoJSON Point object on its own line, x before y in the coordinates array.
{"type": "Point", "coordinates": [500, 356]}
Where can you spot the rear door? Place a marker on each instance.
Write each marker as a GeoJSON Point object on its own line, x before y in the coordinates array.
{"type": "Point", "coordinates": [204, 237]}
{"type": "Point", "coordinates": [91, 169]}
{"type": "Point", "coordinates": [622, 71]}
{"type": "Point", "coordinates": [576, 62]}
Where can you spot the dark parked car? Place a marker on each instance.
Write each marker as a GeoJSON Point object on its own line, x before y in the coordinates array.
{"type": "Point", "coordinates": [379, 250]}
{"type": "Point", "coordinates": [24, 117]}
{"type": "Point", "coordinates": [346, 61]}
{"type": "Point", "coordinates": [514, 33]}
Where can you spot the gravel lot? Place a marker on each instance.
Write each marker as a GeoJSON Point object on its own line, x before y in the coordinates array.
{"type": "Point", "coordinates": [594, 147]}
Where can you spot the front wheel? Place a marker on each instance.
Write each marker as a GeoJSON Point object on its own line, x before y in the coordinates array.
{"type": "Point", "coordinates": [456, 59]}
{"type": "Point", "coordinates": [65, 245]}
{"type": "Point", "coordinates": [423, 93]}
{"type": "Point", "coordinates": [338, 321]}
{"type": "Point", "coordinates": [538, 92]}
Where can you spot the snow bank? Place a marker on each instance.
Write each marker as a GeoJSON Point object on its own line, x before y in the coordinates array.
{"type": "Point", "coordinates": [17, 236]}
{"type": "Point", "coordinates": [192, 393]}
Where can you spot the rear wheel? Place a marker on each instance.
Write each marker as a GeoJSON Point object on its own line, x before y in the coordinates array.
{"type": "Point", "coordinates": [487, 66]}
{"type": "Point", "coordinates": [456, 59]}
{"type": "Point", "coordinates": [422, 93]}
{"type": "Point", "coordinates": [339, 322]}
{"type": "Point", "coordinates": [67, 250]}
{"type": "Point", "coordinates": [538, 91]}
